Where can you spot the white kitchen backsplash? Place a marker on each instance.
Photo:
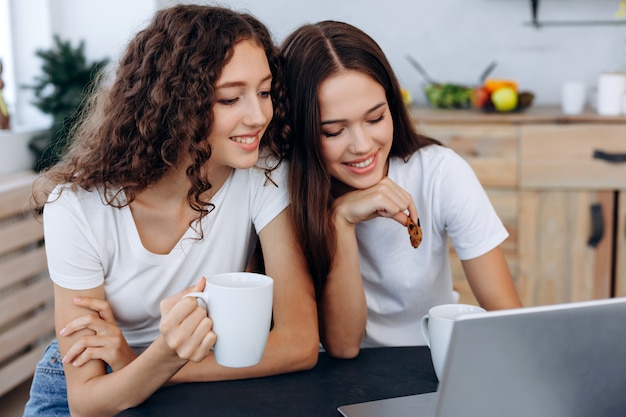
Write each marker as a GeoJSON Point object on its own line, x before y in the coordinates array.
{"type": "Point", "coordinates": [14, 153]}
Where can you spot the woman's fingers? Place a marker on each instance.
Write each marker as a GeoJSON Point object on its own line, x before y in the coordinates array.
{"type": "Point", "coordinates": [111, 350]}
{"type": "Point", "coordinates": [385, 199]}
{"type": "Point", "coordinates": [89, 321]}
{"type": "Point", "coordinates": [187, 330]}
{"type": "Point", "coordinates": [198, 346]}
{"type": "Point", "coordinates": [84, 350]}
{"type": "Point", "coordinates": [168, 303]}
{"type": "Point", "coordinates": [102, 307]}
{"type": "Point", "coordinates": [106, 343]}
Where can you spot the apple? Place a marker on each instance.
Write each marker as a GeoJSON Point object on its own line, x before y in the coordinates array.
{"type": "Point", "coordinates": [479, 97]}
{"type": "Point", "coordinates": [504, 99]}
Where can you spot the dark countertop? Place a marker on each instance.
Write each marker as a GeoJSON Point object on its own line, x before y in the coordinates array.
{"type": "Point", "coordinates": [377, 373]}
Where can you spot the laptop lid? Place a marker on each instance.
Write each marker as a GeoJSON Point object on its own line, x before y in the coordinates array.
{"type": "Point", "coordinates": [557, 361]}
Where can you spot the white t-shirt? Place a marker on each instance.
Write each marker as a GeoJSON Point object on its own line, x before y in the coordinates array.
{"type": "Point", "coordinates": [402, 283]}
{"type": "Point", "coordinates": [89, 243]}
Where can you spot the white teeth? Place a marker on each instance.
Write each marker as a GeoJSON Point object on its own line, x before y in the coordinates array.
{"type": "Point", "coordinates": [362, 164]}
{"type": "Point", "coordinates": [246, 141]}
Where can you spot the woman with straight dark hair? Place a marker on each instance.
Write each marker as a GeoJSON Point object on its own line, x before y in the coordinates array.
{"type": "Point", "coordinates": [173, 175]}
{"type": "Point", "coordinates": [356, 165]}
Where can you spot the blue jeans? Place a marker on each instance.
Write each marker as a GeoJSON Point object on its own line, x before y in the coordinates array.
{"type": "Point", "coordinates": [48, 391]}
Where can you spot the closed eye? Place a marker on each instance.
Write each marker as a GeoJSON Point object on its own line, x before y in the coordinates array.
{"type": "Point", "coordinates": [377, 120]}
{"type": "Point", "coordinates": [228, 101]}
{"type": "Point", "coordinates": [332, 134]}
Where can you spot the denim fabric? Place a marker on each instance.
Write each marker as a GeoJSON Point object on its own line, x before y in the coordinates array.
{"type": "Point", "coordinates": [48, 391]}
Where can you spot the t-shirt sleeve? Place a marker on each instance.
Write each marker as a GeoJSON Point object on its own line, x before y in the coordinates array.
{"type": "Point", "coordinates": [270, 198]}
{"type": "Point", "coordinates": [73, 260]}
{"type": "Point", "coordinates": [468, 215]}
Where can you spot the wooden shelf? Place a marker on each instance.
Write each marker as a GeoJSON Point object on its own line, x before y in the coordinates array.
{"type": "Point", "coordinates": [535, 114]}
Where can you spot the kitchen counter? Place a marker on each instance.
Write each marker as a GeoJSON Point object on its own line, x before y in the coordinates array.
{"type": "Point", "coordinates": [534, 114]}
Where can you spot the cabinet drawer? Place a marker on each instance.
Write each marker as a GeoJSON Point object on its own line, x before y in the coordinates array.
{"type": "Point", "coordinates": [556, 262]}
{"type": "Point", "coordinates": [491, 150]}
{"type": "Point", "coordinates": [563, 156]}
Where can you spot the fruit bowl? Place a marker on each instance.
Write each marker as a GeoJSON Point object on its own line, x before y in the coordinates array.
{"type": "Point", "coordinates": [500, 96]}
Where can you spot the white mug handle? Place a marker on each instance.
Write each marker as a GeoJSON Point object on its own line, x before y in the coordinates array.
{"type": "Point", "coordinates": [200, 296]}
{"type": "Point", "coordinates": [425, 333]}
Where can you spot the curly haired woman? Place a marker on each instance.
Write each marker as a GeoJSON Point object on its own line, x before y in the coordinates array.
{"type": "Point", "coordinates": [172, 175]}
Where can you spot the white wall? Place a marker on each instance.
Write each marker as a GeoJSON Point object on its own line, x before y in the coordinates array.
{"type": "Point", "coordinates": [105, 26]}
{"type": "Point", "coordinates": [30, 29]}
{"type": "Point", "coordinates": [453, 39]}
{"type": "Point", "coordinates": [456, 39]}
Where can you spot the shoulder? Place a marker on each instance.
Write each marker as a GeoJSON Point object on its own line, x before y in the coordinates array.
{"type": "Point", "coordinates": [438, 160]}
{"type": "Point", "coordinates": [68, 201]}
{"type": "Point", "coordinates": [266, 190]}
{"type": "Point", "coordinates": [429, 160]}
{"type": "Point", "coordinates": [67, 195]}
{"type": "Point", "coordinates": [436, 154]}
{"type": "Point", "coordinates": [434, 171]}
{"type": "Point", "coordinates": [269, 171]}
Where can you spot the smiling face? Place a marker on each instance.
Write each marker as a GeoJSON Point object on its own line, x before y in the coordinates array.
{"type": "Point", "coordinates": [357, 128]}
{"type": "Point", "coordinates": [243, 107]}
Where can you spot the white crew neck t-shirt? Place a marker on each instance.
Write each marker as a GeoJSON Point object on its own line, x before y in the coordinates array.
{"type": "Point", "coordinates": [89, 243]}
{"type": "Point", "coordinates": [402, 283]}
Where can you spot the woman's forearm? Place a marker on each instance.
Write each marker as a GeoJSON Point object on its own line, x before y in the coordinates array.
{"type": "Point", "coordinates": [343, 309]}
{"type": "Point", "coordinates": [286, 351]}
{"type": "Point", "coordinates": [491, 281]}
{"type": "Point", "coordinates": [108, 394]}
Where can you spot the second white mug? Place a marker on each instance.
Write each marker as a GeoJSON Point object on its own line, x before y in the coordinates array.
{"type": "Point", "coordinates": [437, 328]}
{"type": "Point", "coordinates": [573, 97]}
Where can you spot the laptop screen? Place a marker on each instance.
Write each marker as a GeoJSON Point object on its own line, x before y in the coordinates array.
{"type": "Point", "coordinates": [565, 360]}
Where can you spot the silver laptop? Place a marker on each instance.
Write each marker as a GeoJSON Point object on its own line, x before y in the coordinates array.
{"type": "Point", "coordinates": [564, 360]}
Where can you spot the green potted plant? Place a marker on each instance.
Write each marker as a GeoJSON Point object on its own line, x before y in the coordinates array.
{"type": "Point", "coordinates": [60, 92]}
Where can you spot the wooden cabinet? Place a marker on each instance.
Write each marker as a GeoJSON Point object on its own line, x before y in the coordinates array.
{"type": "Point", "coordinates": [570, 200]}
{"type": "Point", "coordinates": [26, 292]}
{"type": "Point", "coordinates": [563, 205]}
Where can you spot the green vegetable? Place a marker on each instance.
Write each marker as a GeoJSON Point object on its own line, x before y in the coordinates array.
{"type": "Point", "coordinates": [449, 96]}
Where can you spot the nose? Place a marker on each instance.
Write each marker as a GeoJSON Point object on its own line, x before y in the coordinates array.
{"type": "Point", "coordinates": [258, 111]}
{"type": "Point", "coordinates": [361, 143]}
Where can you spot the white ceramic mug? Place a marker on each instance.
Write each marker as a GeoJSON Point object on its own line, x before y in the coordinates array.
{"type": "Point", "coordinates": [611, 89]}
{"type": "Point", "coordinates": [240, 305]}
{"type": "Point", "coordinates": [437, 328]}
{"type": "Point", "coordinates": [573, 97]}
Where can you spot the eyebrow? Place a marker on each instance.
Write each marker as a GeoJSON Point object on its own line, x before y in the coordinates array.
{"type": "Point", "coordinates": [240, 83]}
{"type": "Point", "coordinates": [330, 122]}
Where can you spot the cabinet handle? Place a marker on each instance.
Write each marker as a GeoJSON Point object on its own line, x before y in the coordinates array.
{"type": "Point", "coordinates": [597, 225]}
{"type": "Point", "coordinates": [610, 157]}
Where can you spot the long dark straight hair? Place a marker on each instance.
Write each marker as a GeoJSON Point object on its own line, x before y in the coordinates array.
{"type": "Point", "coordinates": [310, 55]}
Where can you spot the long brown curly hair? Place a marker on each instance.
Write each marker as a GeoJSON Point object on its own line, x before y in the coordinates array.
{"type": "Point", "coordinates": [310, 55]}
{"type": "Point", "coordinates": [158, 109]}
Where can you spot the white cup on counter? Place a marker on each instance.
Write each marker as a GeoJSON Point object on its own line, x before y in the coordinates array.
{"type": "Point", "coordinates": [611, 90]}
{"type": "Point", "coordinates": [437, 329]}
{"type": "Point", "coordinates": [573, 97]}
